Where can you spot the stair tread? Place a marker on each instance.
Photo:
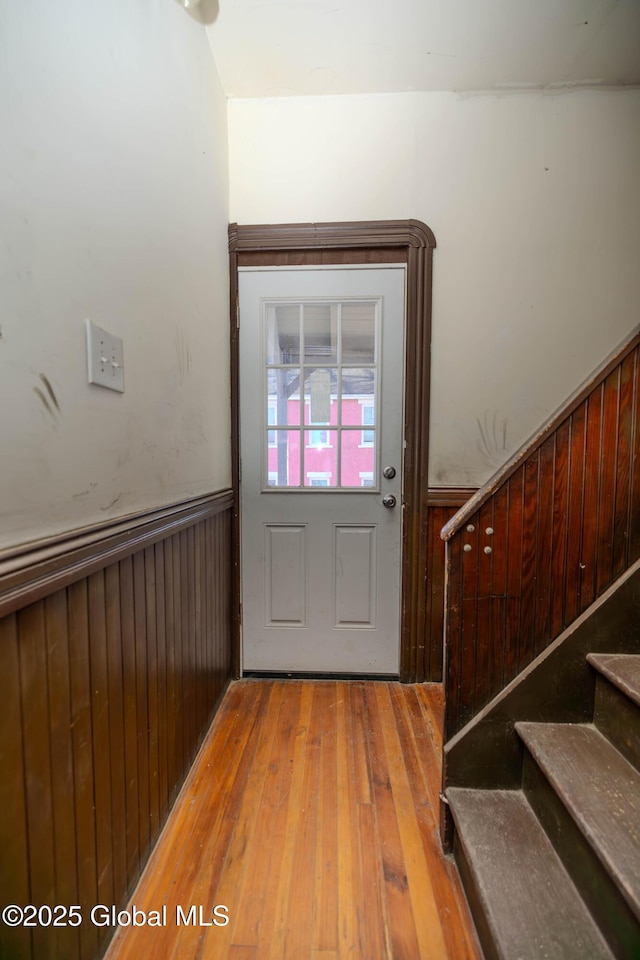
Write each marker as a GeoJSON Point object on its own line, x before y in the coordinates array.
{"type": "Point", "coordinates": [622, 669]}
{"type": "Point", "coordinates": [601, 791]}
{"type": "Point", "coordinates": [532, 908]}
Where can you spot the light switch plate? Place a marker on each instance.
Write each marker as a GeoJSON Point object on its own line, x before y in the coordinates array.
{"type": "Point", "coordinates": [105, 358]}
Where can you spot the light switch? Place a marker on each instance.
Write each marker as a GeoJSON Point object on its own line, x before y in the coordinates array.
{"type": "Point", "coordinates": [105, 358]}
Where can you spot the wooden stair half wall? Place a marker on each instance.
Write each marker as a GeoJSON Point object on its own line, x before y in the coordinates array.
{"type": "Point", "coordinates": [544, 538]}
{"type": "Point", "coordinates": [545, 796]}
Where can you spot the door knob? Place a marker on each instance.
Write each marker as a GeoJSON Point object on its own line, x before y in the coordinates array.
{"type": "Point", "coordinates": [389, 473]}
{"type": "Point", "coordinates": [389, 501]}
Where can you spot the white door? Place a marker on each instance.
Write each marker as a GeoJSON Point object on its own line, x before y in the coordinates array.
{"type": "Point", "coordinates": [321, 368]}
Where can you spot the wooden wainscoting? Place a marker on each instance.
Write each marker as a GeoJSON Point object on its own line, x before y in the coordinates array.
{"type": "Point", "coordinates": [113, 659]}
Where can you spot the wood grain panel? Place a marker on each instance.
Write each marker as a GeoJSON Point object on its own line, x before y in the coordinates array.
{"type": "Point", "coordinates": [515, 541]}
{"type": "Point", "coordinates": [444, 502]}
{"type": "Point", "coordinates": [625, 425]}
{"type": "Point", "coordinates": [498, 598]}
{"type": "Point", "coordinates": [578, 423]}
{"type": "Point", "coordinates": [116, 723]}
{"type": "Point", "coordinates": [529, 558]}
{"type": "Point", "coordinates": [142, 705]}
{"type": "Point", "coordinates": [559, 530]}
{"type": "Point", "coordinates": [591, 497]}
{"type": "Point", "coordinates": [544, 544]}
{"type": "Point", "coordinates": [608, 479]}
{"type": "Point", "coordinates": [101, 729]}
{"type": "Point", "coordinates": [83, 760]}
{"type": "Point", "coordinates": [152, 692]}
{"type": "Point", "coordinates": [132, 832]}
{"type": "Point", "coordinates": [98, 676]}
{"type": "Point", "coordinates": [484, 606]}
{"type": "Point", "coordinates": [66, 941]}
{"type": "Point", "coordinates": [634, 499]}
{"type": "Point", "coordinates": [566, 524]}
{"type": "Point", "coordinates": [14, 862]}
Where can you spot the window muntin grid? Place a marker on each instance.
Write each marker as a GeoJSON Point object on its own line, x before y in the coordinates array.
{"type": "Point", "coordinates": [321, 371]}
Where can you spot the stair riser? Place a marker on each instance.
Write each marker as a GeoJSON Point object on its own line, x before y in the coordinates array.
{"type": "Point", "coordinates": [608, 908]}
{"type": "Point", "coordinates": [485, 936]}
{"type": "Point", "coordinates": [618, 719]}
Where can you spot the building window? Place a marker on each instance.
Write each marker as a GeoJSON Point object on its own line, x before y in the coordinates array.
{"type": "Point", "coordinates": [366, 479]}
{"type": "Point", "coordinates": [318, 479]}
{"type": "Point", "coordinates": [368, 436]}
{"type": "Point", "coordinates": [318, 438]}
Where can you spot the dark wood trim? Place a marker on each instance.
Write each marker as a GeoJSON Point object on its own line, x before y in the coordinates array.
{"type": "Point", "coordinates": [450, 496]}
{"type": "Point", "coordinates": [410, 242]}
{"type": "Point", "coordinates": [43, 571]}
{"type": "Point", "coordinates": [364, 234]}
{"type": "Point", "coordinates": [15, 557]}
{"type": "Point", "coordinates": [531, 446]}
{"type": "Point", "coordinates": [234, 328]}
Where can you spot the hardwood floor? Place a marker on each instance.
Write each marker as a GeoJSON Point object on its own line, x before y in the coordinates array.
{"type": "Point", "coordinates": [311, 814]}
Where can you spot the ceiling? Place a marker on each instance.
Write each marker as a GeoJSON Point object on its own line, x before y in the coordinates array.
{"type": "Point", "coordinates": [283, 48]}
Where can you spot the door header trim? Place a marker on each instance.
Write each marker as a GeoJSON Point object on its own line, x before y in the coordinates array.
{"type": "Point", "coordinates": [331, 236]}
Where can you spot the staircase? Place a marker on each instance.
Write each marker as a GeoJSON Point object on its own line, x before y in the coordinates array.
{"type": "Point", "coordinates": [552, 870]}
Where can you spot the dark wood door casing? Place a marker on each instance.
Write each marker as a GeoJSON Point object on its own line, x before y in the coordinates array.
{"type": "Point", "coordinates": [383, 241]}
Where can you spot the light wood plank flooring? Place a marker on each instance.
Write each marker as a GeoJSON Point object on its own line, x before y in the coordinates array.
{"type": "Point", "coordinates": [311, 814]}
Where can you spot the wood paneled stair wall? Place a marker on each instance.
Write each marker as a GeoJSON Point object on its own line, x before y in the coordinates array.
{"type": "Point", "coordinates": [541, 791]}
{"type": "Point", "coordinates": [546, 536]}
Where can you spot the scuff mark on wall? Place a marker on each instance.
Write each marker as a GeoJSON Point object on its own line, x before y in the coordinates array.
{"type": "Point", "coordinates": [107, 506]}
{"type": "Point", "coordinates": [183, 354]}
{"type": "Point", "coordinates": [492, 444]}
{"type": "Point", "coordinates": [48, 400]}
{"type": "Point", "coordinates": [85, 493]}
{"type": "Point", "coordinates": [50, 391]}
{"type": "Point", "coordinates": [44, 401]}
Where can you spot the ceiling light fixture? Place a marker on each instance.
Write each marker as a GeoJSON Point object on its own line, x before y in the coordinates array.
{"type": "Point", "coordinates": [202, 11]}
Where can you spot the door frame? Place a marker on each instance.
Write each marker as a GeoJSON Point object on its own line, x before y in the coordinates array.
{"type": "Point", "coordinates": [366, 242]}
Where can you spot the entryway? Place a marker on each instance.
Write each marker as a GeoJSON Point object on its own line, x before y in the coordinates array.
{"type": "Point", "coordinates": [292, 456]}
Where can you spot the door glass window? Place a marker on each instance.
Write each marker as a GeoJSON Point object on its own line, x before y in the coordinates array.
{"type": "Point", "coordinates": [320, 455]}
{"type": "Point", "coordinates": [321, 411]}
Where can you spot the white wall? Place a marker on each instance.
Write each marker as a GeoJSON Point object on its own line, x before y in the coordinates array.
{"type": "Point", "coordinates": [113, 206]}
{"type": "Point", "coordinates": [535, 205]}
